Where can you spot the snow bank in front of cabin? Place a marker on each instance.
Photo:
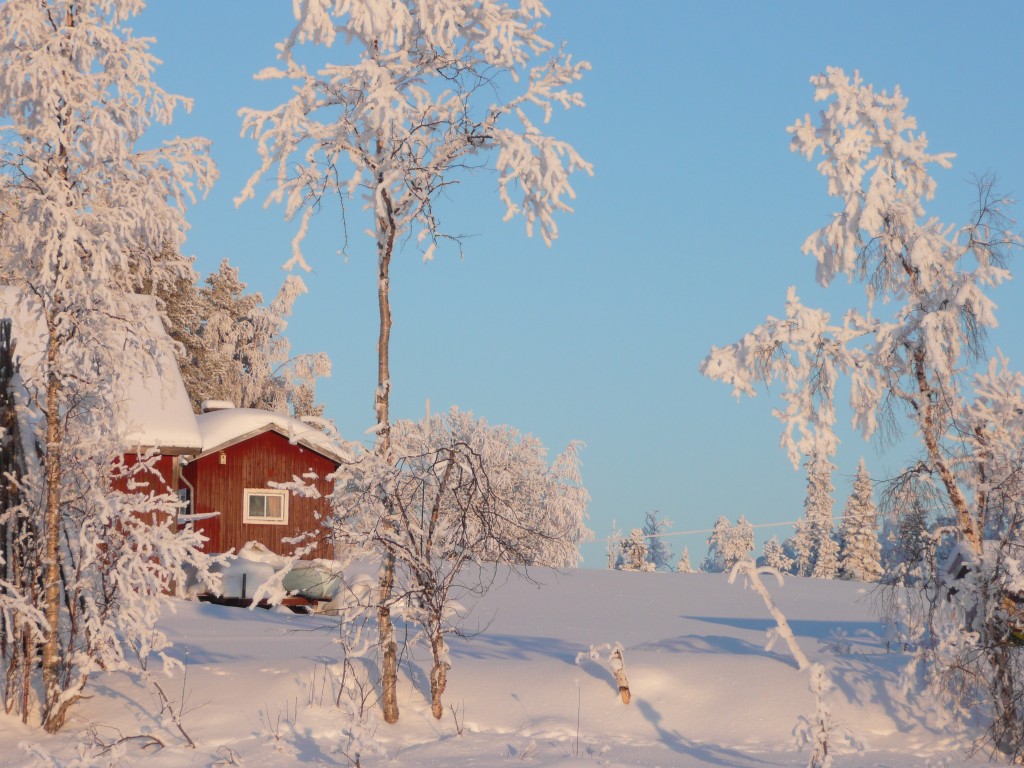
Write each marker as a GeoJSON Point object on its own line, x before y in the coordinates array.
{"type": "Point", "coordinates": [263, 687]}
{"type": "Point", "coordinates": [256, 570]}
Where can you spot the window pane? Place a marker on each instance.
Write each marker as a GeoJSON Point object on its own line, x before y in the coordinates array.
{"type": "Point", "coordinates": [257, 506]}
{"type": "Point", "coordinates": [274, 507]}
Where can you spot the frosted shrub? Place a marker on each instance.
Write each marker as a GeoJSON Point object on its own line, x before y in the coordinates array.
{"type": "Point", "coordinates": [821, 731]}
{"type": "Point", "coordinates": [462, 497]}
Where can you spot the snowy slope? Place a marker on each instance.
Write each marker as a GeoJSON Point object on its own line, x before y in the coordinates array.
{"type": "Point", "coordinates": [260, 686]}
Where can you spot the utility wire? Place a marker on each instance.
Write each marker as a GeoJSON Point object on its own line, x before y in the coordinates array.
{"type": "Point", "coordinates": [608, 539]}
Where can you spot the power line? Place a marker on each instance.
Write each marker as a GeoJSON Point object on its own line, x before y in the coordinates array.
{"type": "Point", "coordinates": [608, 539]}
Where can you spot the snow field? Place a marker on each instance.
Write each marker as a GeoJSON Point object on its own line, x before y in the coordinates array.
{"type": "Point", "coordinates": [261, 686]}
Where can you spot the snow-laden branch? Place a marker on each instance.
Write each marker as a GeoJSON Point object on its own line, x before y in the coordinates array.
{"type": "Point", "coordinates": [415, 111]}
{"type": "Point", "coordinates": [782, 629]}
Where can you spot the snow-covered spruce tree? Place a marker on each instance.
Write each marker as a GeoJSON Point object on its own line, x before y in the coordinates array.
{"type": "Point", "coordinates": [465, 494]}
{"type": "Point", "coordinates": [860, 555]}
{"type": "Point", "coordinates": [814, 532]}
{"type": "Point", "coordinates": [774, 556]}
{"type": "Point", "coordinates": [633, 553]}
{"type": "Point", "coordinates": [714, 561]}
{"type": "Point", "coordinates": [428, 91]}
{"type": "Point", "coordinates": [909, 351]}
{"type": "Point", "coordinates": [659, 553]}
{"type": "Point", "coordinates": [683, 566]}
{"type": "Point", "coordinates": [613, 546]}
{"type": "Point", "coordinates": [826, 566]}
{"type": "Point", "coordinates": [801, 543]}
{"type": "Point", "coordinates": [95, 547]}
{"type": "Point", "coordinates": [233, 346]}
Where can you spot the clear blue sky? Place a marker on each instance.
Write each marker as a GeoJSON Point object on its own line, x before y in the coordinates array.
{"type": "Point", "coordinates": [687, 235]}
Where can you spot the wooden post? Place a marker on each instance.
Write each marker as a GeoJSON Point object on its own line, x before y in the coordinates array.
{"type": "Point", "coordinates": [618, 665]}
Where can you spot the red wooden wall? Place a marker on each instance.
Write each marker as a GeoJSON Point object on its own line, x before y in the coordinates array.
{"type": "Point", "coordinates": [251, 464]}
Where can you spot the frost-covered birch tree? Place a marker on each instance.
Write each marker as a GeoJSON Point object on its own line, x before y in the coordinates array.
{"type": "Point", "coordinates": [728, 544]}
{"type": "Point", "coordinates": [860, 552]}
{"type": "Point", "coordinates": [714, 561]}
{"type": "Point", "coordinates": [424, 92]}
{"type": "Point", "coordinates": [908, 352]}
{"type": "Point", "coordinates": [85, 198]}
{"type": "Point", "coordinates": [466, 494]}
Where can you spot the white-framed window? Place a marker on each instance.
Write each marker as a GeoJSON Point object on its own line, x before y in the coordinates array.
{"type": "Point", "coordinates": [265, 506]}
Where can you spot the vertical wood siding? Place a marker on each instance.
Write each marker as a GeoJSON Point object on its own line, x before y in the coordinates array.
{"type": "Point", "coordinates": [252, 464]}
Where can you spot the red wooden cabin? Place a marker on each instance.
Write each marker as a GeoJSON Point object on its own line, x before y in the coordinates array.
{"type": "Point", "coordinates": [221, 461]}
{"type": "Point", "coordinates": [243, 450]}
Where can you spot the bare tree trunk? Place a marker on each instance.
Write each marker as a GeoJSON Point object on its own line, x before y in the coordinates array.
{"type": "Point", "coordinates": [382, 403]}
{"type": "Point", "coordinates": [388, 644]}
{"type": "Point", "coordinates": [52, 717]}
{"type": "Point", "coordinates": [438, 673]}
{"type": "Point", "coordinates": [966, 522]}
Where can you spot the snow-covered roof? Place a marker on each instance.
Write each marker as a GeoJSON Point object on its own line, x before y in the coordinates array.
{"type": "Point", "coordinates": [219, 429]}
{"type": "Point", "coordinates": [154, 410]}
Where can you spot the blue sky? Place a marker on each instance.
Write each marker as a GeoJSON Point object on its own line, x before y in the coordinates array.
{"type": "Point", "coordinates": [687, 235]}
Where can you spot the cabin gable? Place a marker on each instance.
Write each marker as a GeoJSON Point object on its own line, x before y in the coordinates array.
{"type": "Point", "coordinates": [233, 480]}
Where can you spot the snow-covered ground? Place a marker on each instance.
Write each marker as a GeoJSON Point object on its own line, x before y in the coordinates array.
{"type": "Point", "coordinates": [261, 686]}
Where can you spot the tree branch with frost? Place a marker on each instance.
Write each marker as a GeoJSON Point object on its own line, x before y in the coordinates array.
{"type": "Point", "coordinates": [782, 629]}
{"type": "Point", "coordinates": [425, 130]}
{"type": "Point", "coordinates": [806, 354]}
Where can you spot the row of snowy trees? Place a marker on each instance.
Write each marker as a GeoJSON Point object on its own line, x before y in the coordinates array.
{"type": "Point", "coordinates": [816, 548]}
{"type": "Point", "coordinates": [88, 218]}
{"type": "Point", "coordinates": [645, 549]}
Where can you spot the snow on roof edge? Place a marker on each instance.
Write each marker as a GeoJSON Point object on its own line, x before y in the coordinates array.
{"type": "Point", "coordinates": [223, 427]}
